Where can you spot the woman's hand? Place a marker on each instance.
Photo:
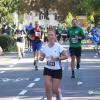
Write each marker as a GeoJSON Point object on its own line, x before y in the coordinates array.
{"type": "Point", "coordinates": [63, 55]}
{"type": "Point", "coordinates": [54, 58]}
{"type": "Point", "coordinates": [41, 57]}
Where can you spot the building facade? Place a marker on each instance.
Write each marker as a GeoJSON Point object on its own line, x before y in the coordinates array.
{"type": "Point", "coordinates": [32, 17]}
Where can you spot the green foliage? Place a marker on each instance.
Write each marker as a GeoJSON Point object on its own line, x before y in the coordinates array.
{"type": "Point", "coordinates": [68, 20]}
{"type": "Point", "coordinates": [7, 43]}
{"type": "Point", "coordinates": [7, 18]}
{"type": "Point", "coordinates": [76, 7]}
{"type": "Point", "coordinates": [63, 7]}
{"type": "Point", "coordinates": [7, 7]}
{"type": "Point", "coordinates": [91, 8]}
{"type": "Point", "coordinates": [97, 19]}
{"type": "Point", "coordinates": [84, 7]}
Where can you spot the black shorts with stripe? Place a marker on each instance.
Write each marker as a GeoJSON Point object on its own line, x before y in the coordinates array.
{"type": "Point", "coordinates": [53, 73]}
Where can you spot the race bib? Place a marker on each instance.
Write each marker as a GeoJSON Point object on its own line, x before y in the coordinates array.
{"type": "Point", "coordinates": [74, 40]}
{"type": "Point", "coordinates": [50, 63]}
{"type": "Point", "coordinates": [37, 33]}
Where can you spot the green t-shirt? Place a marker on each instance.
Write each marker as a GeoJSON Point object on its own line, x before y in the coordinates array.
{"type": "Point", "coordinates": [72, 32]}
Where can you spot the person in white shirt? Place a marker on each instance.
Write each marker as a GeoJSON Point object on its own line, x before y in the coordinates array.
{"type": "Point", "coordinates": [20, 40]}
{"type": "Point", "coordinates": [53, 52]}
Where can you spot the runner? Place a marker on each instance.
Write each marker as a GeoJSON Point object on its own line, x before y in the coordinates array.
{"type": "Point", "coordinates": [59, 31]}
{"type": "Point", "coordinates": [54, 53]}
{"type": "Point", "coordinates": [28, 31]}
{"type": "Point", "coordinates": [45, 34]}
{"type": "Point", "coordinates": [20, 40]}
{"type": "Point", "coordinates": [36, 43]}
{"type": "Point", "coordinates": [64, 34]}
{"type": "Point", "coordinates": [75, 35]}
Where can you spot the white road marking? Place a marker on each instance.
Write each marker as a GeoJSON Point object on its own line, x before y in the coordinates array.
{"type": "Point", "coordinates": [22, 92]}
{"type": "Point", "coordinates": [79, 83]}
{"type": "Point", "coordinates": [13, 80]}
{"type": "Point", "coordinates": [90, 92]}
{"type": "Point", "coordinates": [9, 67]}
{"type": "Point", "coordinates": [31, 85]}
{"type": "Point", "coordinates": [20, 79]}
{"type": "Point", "coordinates": [12, 65]}
{"type": "Point", "coordinates": [95, 56]}
{"type": "Point", "coordinates": [1, 72]}
{"type": "Point", "coordinates": [6, 80]}
{"type": "Point", "coordinates": [37, 79]}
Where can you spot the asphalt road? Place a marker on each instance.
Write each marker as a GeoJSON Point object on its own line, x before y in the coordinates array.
{"type": "Point", "coordinates": [19, 80]}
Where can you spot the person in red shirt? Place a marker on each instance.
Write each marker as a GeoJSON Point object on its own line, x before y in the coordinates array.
{"type": "Point", "coordinates": [36, 43]}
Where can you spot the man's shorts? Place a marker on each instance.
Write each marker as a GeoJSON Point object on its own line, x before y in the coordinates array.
{"type": "Point", "coordinates": [75, 51]}
{"type": "Point", "coordinates": [36, 46]}
{"type": "Point", "coordinates": [53, 73]}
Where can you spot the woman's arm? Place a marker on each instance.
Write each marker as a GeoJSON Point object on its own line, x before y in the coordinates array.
{"type": "Point", "coordinates": [63, 55]}
{"type": "Point", "coordinates": [41, 56]}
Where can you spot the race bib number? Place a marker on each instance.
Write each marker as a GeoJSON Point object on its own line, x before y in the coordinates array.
{"type": "Point", "coordinates": [74, 40]}
{"type": "Point", "coordinates": [37, 33]}
{"type": "Point", "coordinates": [50, 63]}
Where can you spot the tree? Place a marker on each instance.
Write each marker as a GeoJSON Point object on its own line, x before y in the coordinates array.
{"type": "Point", "coordinates": [89, 7]}
{"type": "Point", "coordinates": [68, 20]}
{"type": "Point", "coordinates": [7, 7]}
{"type": "Point", "coordinates": [45, 6]}
{"type": "Point", "coordinates": [40, 6]}
{"type": "Point", "coordinates": [62, 7]}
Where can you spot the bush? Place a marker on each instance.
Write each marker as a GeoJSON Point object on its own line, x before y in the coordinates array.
{"type": "Point", "coordinates": [7, 43]}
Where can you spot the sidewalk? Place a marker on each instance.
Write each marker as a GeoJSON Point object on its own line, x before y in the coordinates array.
{"type": "Point", "coordinates": [85, 47]}
{"type": "Point", "coordinates": [8, 58]}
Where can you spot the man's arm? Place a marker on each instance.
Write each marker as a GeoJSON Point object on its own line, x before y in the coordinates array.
{"type": "Point", "coordinates": [82, 36]}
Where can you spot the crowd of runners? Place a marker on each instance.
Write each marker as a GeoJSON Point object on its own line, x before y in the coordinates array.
{"type": "Point", "coordinates": [44, 42]}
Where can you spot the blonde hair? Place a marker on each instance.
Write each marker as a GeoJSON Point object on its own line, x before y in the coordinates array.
{"type": "Point", "coordinates": [51, 29]}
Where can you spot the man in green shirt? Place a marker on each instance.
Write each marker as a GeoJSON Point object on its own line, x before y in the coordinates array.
{"type": "Point", "coordinates": [75, 36]}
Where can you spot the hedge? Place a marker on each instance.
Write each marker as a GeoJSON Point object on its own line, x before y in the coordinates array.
{"type": "Point", "coordinates": [7, 43]}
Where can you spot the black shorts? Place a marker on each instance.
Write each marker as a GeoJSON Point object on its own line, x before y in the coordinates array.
{"type": "Point", "coordinates": [75, 51]}
{"type": "Point", "coordinates": [53, 73]}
